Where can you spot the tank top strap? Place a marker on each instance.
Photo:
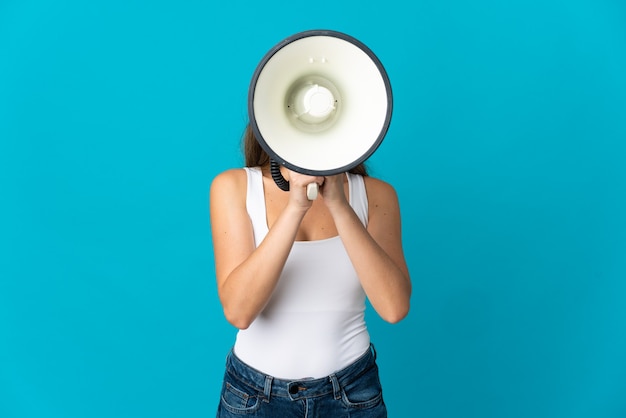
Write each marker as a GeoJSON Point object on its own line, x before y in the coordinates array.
{"type": "Point", "coordinates": [358, 196]}
{"type": "Point", "coordinates": [255, 203]}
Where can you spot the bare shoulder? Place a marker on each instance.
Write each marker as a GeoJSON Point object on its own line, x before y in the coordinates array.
{"type": "Point", "coordinates": [380, 193]}
{"type": "Point", "coordinates": [229, 184]}
{"type": "Point", "coordinates": [228, 191]}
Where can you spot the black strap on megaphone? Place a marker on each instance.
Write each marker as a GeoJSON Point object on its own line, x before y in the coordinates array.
{"type": "Point", "coordinates": [278, 176]}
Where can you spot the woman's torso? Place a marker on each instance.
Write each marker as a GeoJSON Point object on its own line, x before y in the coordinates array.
{"type": "Point", "coordinates": [314, 322]}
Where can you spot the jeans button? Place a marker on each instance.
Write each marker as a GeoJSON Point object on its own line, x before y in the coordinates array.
{"type": "Point", "coordinates": [293, 389]}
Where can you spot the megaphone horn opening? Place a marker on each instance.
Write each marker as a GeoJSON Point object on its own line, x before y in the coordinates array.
{"type": "Point", "coordinates": [320, 103]}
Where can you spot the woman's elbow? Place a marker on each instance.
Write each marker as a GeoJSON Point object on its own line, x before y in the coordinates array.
{"type": "Point", "coordinates": [395, 313]}
{"type": "Point", "coordinates": [237, 319]}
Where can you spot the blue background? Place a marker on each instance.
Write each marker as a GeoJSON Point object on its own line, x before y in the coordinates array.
{"type": "Point", "coordinates": [507, 149]}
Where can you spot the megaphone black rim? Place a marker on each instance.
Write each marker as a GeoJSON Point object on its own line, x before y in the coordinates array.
{"type": "Point", "coordinates": [251, 92]}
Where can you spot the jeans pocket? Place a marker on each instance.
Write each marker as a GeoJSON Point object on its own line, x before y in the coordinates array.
{"type": "Point", "coordinates": [239, 399]}
{"type": "Point", "coordinates": [363, 392]}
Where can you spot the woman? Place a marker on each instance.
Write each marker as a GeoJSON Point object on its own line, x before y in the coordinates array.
{"type": "Point", "coordinates": [292, 275]}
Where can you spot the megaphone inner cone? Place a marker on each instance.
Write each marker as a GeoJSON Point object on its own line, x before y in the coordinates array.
{"type": "Point", "coordinates": [318, 102]}
{"type": "Point", "coordinates": [313, 103]}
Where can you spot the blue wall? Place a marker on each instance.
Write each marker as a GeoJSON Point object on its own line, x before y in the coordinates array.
{"type": "Point", "coordinates": [507, 148]}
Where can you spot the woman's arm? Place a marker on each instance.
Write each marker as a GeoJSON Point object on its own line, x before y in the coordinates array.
{"type": "Point", "coordinates": [375, 252]}
{"type": "Point", "coordinates": [247, 276]}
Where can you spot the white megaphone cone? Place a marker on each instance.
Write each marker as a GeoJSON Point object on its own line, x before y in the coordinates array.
{"type": "Point", "coordinates": [319, 103]}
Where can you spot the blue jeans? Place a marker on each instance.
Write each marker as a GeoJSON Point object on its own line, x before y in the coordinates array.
{"type": "Point", "coordinates": [354, 391]}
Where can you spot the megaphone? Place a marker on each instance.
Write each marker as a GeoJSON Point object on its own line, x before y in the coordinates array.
{"type": "Point", "coordinates": [320, 104]}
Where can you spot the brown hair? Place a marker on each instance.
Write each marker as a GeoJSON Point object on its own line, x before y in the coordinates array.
{"type": "Point", "coordinates": [255, 155]}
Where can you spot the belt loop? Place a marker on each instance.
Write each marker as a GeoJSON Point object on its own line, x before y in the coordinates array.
{"type": "Point", "coordinates": [267, 390]}
{"type": "Point", "coordinates": [373, 350]}
{"type": "Point", "coordinates": [336, 387]}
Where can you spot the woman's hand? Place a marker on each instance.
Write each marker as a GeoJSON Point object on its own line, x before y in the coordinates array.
{"type": "Point", "coordinates": [297, 189]}
{"type": "Point", "coordinates": [333, 192]}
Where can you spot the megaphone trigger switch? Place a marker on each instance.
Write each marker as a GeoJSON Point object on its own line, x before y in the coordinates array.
{"type": "Point", "coordinates": [312, 190]}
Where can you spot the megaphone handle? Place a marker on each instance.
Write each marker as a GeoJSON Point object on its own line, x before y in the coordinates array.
{"type": "Point", "coordinates": [311, 190]}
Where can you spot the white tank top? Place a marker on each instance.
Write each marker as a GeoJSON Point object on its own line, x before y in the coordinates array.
{"type": "Point", "coordinates": [313, 324]}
